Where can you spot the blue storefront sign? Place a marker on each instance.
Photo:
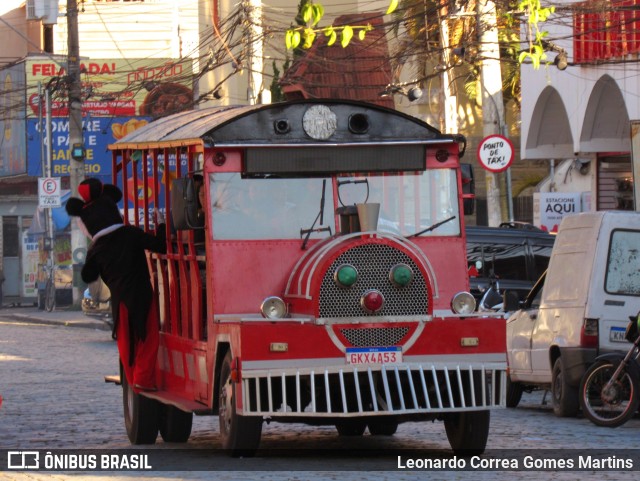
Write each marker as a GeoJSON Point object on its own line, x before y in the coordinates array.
{"type": "Point", "coordinates": [99, 132]}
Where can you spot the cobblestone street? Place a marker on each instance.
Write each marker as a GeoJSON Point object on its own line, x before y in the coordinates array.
{"type": "Point", "coordinates": [51, 379]}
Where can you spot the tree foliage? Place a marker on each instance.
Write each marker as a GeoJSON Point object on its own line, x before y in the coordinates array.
{"type": "Point", "coordinates": [311, 13]}
{"type": "Point", "coordinates": [536, 14]}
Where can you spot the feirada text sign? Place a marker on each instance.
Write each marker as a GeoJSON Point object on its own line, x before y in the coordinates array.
{"type": "Point", "coordinates": [495, 153]}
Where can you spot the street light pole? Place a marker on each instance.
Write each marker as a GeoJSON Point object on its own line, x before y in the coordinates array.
{"type": "Point", "coordinates": [76, 141]}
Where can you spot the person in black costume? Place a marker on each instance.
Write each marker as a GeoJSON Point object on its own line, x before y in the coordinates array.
{"type": "Point", "coordinates": [117, 255]}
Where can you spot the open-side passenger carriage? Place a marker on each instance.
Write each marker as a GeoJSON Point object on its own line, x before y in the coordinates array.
{"type": "Point", "coordinates": [315, 272]}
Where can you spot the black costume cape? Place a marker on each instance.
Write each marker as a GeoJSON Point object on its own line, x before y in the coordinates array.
{"type": "Point", "coordinates": [119, 258]}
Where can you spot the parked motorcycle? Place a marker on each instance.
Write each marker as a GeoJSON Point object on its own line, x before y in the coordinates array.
{"type": "Point", "coordinates": [96, 301]}
{"type": "Point", "coordinates": [609, 388]}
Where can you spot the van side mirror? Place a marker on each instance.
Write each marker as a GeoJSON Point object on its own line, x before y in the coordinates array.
{"type": "Point", "coordinates": [510, 301]}
{"type": "Point", "coordinates": [468, 189]}
{"type": "Point", "coordinates": [184, 205]}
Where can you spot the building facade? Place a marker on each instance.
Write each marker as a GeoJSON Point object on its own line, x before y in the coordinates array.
{"type": "Point", "coordinates": [127, 49]}
{"type": "Point", "coordinates": [131, 51]}
{"type": "Point", "coordinates": [580, 111]}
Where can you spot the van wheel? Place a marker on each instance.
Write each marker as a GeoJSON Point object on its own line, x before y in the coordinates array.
{"type": "Point", "coordinates": [514, 393]}
{"type": "Point", "coordinates": [564, 397]}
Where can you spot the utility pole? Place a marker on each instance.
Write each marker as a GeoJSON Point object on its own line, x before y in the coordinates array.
{"type": "Point", "coordinates": [492, 104]}
{"type": "Point", "coordinates": [76, 142]}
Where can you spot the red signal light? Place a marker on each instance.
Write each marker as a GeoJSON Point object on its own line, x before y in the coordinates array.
{"type": "Point", "coordinates": [372, 301]}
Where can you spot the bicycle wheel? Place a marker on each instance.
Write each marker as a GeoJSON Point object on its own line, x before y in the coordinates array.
{"type": "Point", "coordinates": [50, 295]}
{"type": "Point", "coordinates": [608, 406]}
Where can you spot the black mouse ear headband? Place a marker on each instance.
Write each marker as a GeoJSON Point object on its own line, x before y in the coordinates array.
{"type": "Point", "coordinates": [90, 190]}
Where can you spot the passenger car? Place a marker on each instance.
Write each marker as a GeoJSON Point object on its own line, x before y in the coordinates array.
{"type": "Point", "coordinates": [514, 254]}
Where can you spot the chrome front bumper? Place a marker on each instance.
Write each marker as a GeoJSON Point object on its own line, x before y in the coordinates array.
{"type": "Point", "coordinates": [352, 391]}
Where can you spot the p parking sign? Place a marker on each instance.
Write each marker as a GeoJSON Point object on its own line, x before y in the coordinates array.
{"type": "Point", "coordinates": [49, 192]}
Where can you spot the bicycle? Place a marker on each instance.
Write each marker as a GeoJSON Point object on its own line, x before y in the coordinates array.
{"type": "Point", "coordinates": [50, 286]}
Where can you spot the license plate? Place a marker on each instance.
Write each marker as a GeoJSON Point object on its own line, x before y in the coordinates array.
{"type": "Point", "coordinates": [616, 334]}
{"type": "Point", "coordinates": [374, 355]}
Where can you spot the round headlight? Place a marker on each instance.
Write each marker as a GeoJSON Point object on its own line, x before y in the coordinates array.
{"type": "Point", "coordinates": [463, 303]}
{"type": "Point", "coordinates": [273, 308]}
{"type": "Point", "coordinates": [345, 275]}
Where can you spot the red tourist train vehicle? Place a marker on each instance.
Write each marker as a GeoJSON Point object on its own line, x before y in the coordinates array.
{"type": "Point", "coordinates": [315, 272]}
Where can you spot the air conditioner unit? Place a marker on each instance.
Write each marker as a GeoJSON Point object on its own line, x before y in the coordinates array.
{"type": "Point", "coordinates": [45, 10]}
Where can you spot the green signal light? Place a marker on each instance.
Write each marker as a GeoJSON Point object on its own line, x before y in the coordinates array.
{"type": "Point", "coordinates": [401, 275]}
{"type": "Point", "coordinates": [346, 275]}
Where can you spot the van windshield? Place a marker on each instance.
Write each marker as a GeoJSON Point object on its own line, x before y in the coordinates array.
{"type": "Point", "coordinates": [623, 263]}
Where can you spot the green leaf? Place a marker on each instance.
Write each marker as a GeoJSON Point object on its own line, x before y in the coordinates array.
{"type": "Point", "coordinates": [309, 37]}
{"type": "Point", "coordinates": [347, 35]}
{"type": "Point", "coordinates": [318, 13]}
{"type": "Point", "coordinates": [331, 33]}
{"type": "Point", "coordinates": [536, 62]}
{"type": "Point", "coordinates": [296, 38]}
{"type": "Point", "coordinates": [288, 39]}
{"type": "Point", "coordinates": [307, 12]}
{"type": "Point", "coordinates": [392, 6]}
{"type": "Point", "coordinates": [361, 34]}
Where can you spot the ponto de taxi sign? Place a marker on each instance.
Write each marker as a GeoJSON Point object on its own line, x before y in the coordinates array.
{"type": "Point", "coordinates": [495, 153]}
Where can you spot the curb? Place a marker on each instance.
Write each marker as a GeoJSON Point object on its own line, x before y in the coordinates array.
{"type": "Point", "coordinates": [100, 325]}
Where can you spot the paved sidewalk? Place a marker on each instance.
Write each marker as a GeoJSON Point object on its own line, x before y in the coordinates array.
{"type": "Point", "coordinates": [61, 317]}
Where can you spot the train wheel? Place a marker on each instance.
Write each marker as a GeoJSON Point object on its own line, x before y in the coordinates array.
{"type": "Point", "coordinates": [140, 415]}
{"type": "Point", "coordinates": [351, 427]}
{"type": "Point", "coordinates": [240, 435]}
{"type": "Point", "coordinates": [175, 424]}
{"type": "Point", "coordinates": [383, 426]}
{"type": "Point", "coordinates": [468, 431]}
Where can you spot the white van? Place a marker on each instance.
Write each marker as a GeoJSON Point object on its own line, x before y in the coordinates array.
{"type": "Point", "coordinates": [578, 310]}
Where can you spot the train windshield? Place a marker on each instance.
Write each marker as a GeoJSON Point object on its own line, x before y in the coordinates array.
{"type": "Point", "coordinates": [284, 208]}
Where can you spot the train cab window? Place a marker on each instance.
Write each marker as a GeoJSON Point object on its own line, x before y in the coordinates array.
{"type": "Point", "coordinates": [272, 208]}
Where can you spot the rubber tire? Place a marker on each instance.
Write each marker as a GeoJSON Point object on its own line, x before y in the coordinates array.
{"type": "Point", "coordinates": [514, 393]}
{"type": "Point", "coordinates": [240, 435]}
{"type": "Point", "coordinates": [50, 296]}
{"type": "Point", "coordinates": [141, 415]}
{"type": "Point", "coordinates": [468, 431]}
{"type": "Point", "coordinates": [564, 398]}
{"type": "Point", "coordinates": [591, 375]}
{"type": "Point", "coordinates": [351, 427]}
{"type": "Point", "coordinates": [383, 427]}
{"type": "Point", "coordinates": [175, 424]}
